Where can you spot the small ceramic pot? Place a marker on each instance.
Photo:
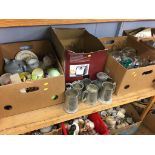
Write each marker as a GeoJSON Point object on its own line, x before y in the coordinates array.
{"type": "Point", "coordinates": [120, 114]}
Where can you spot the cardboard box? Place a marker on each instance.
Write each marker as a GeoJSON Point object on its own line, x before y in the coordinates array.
{"type": "Point", "coordinates": [142, 32]}
{"type": "Point", "coordinates": [80, 53]}
{"type": "Point", "coordinates": [129, 80]}
{"type": "Point", "coordinates": [149, 120]}
{"type": "Point", "coordinates": [131, 129]}
{"type": "Point", "coordinates": [13, 101]}
{"type": "Point", "coordinates": [147, 36]}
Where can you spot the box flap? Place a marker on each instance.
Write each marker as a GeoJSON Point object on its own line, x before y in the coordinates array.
{"type": "Point", "coordinates": [78, 40]}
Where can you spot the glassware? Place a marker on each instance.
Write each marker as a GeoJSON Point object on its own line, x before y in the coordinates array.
{"type": "Point", "coordinates": [71, 101]}
{"type": "Point", "coordinates": [106, 91]}
{"type": "Point", "coordinates": [90, 95]}
{"type": "Point", "coordinates": [78, 85]}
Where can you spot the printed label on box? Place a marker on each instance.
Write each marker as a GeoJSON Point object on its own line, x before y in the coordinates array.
{"type": "Point", "coordinates": [79, 70]}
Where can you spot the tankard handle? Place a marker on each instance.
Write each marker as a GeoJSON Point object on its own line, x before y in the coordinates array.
{"type": "Point", "coordinates": [84, 96]}
{"type": "Point", "coordinates": [69, 86]}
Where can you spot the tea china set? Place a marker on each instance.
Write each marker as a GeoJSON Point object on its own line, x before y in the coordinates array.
{"type": "Point", "coordinates": [27, 66]}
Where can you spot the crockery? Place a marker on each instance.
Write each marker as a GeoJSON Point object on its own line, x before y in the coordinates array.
{"type": "Point", "coordinates": [24, 54]}
{"type": "Point", "coordinates": [53, 72]}
{"type": "Point", "coordinates": [37, 74]}
{"type": "Point", "coordinates": [15, 66]}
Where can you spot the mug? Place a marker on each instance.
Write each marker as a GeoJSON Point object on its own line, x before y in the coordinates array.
{"type": "Point", "coordinates": [90, 95]}
{"type": "Point", "coordinates": [101, 76]}
{"type": "Point", "coordinates": [106, 91]}
{"type": "Point", "coordinates": [78, 85]}
{"type": "Point", "coordinates": [71, 101]}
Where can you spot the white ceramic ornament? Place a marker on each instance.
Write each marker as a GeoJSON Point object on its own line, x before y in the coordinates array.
{"type": "Point", "coordinates": [76, 132]}
{"type": "Point", "coordinates": [122, 110]}
{"type": "Point", "coordinates": [111, 122]}
{"type": "Point", "coordinates": [120, 114]}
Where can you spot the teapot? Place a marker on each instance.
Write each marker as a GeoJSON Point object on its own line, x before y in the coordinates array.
{"type": "Point", "coordinates": [15, 66]}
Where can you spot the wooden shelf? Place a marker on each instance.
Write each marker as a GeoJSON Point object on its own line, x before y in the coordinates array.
{"type": "Point", "coordinates": [35, 22]}
{"type": "Point", "coordinates": [26, 122]}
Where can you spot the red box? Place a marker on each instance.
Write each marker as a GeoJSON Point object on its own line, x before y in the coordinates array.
{"type": "Point", "coordinates": [99, 124]}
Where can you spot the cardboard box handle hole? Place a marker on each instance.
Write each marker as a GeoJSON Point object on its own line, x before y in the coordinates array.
{"type": "Point", "coordinates": [147, 72]}
{"type": "Point", "coordinates": [54, 97]}
{"type": "Point", "coordinates": [29, 89]}
{"type": "Point", "coordinates": [126, 86]}
{"type": "Point", "coordinates": [7, 107]}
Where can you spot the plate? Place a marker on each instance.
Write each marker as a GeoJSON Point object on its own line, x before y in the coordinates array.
{"type": "Point", "coordinates": [23, 55]}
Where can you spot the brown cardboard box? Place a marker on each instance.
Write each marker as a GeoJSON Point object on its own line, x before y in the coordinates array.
{"type": "Point", "coordinates": [80, 53]}
{"type": "Point", "coordinates": [131, 129]}
{"type": "Point", "coordinates": [149, 120]}
{"type": "Point", "coordinates": [12, 100]}
{"type": "Point", "coordinates": [129, 80]}
{"type": "Point", "coordinates": [143, 40]}
{"type": "Point", "coordinates": [133, 32]}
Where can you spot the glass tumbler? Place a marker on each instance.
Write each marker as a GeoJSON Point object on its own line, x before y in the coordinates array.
{"type": "Point", "coordinates": [71, 101]}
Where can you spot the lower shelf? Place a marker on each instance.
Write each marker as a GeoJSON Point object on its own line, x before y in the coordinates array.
{"type": "Point", "coordinates": [29, 121]}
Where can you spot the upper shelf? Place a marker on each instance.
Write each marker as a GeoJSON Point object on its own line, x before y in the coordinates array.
{"type": "Point", "coordinates": [29, 121]}
{"type": "Point", "coordinates": [35, 22]}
